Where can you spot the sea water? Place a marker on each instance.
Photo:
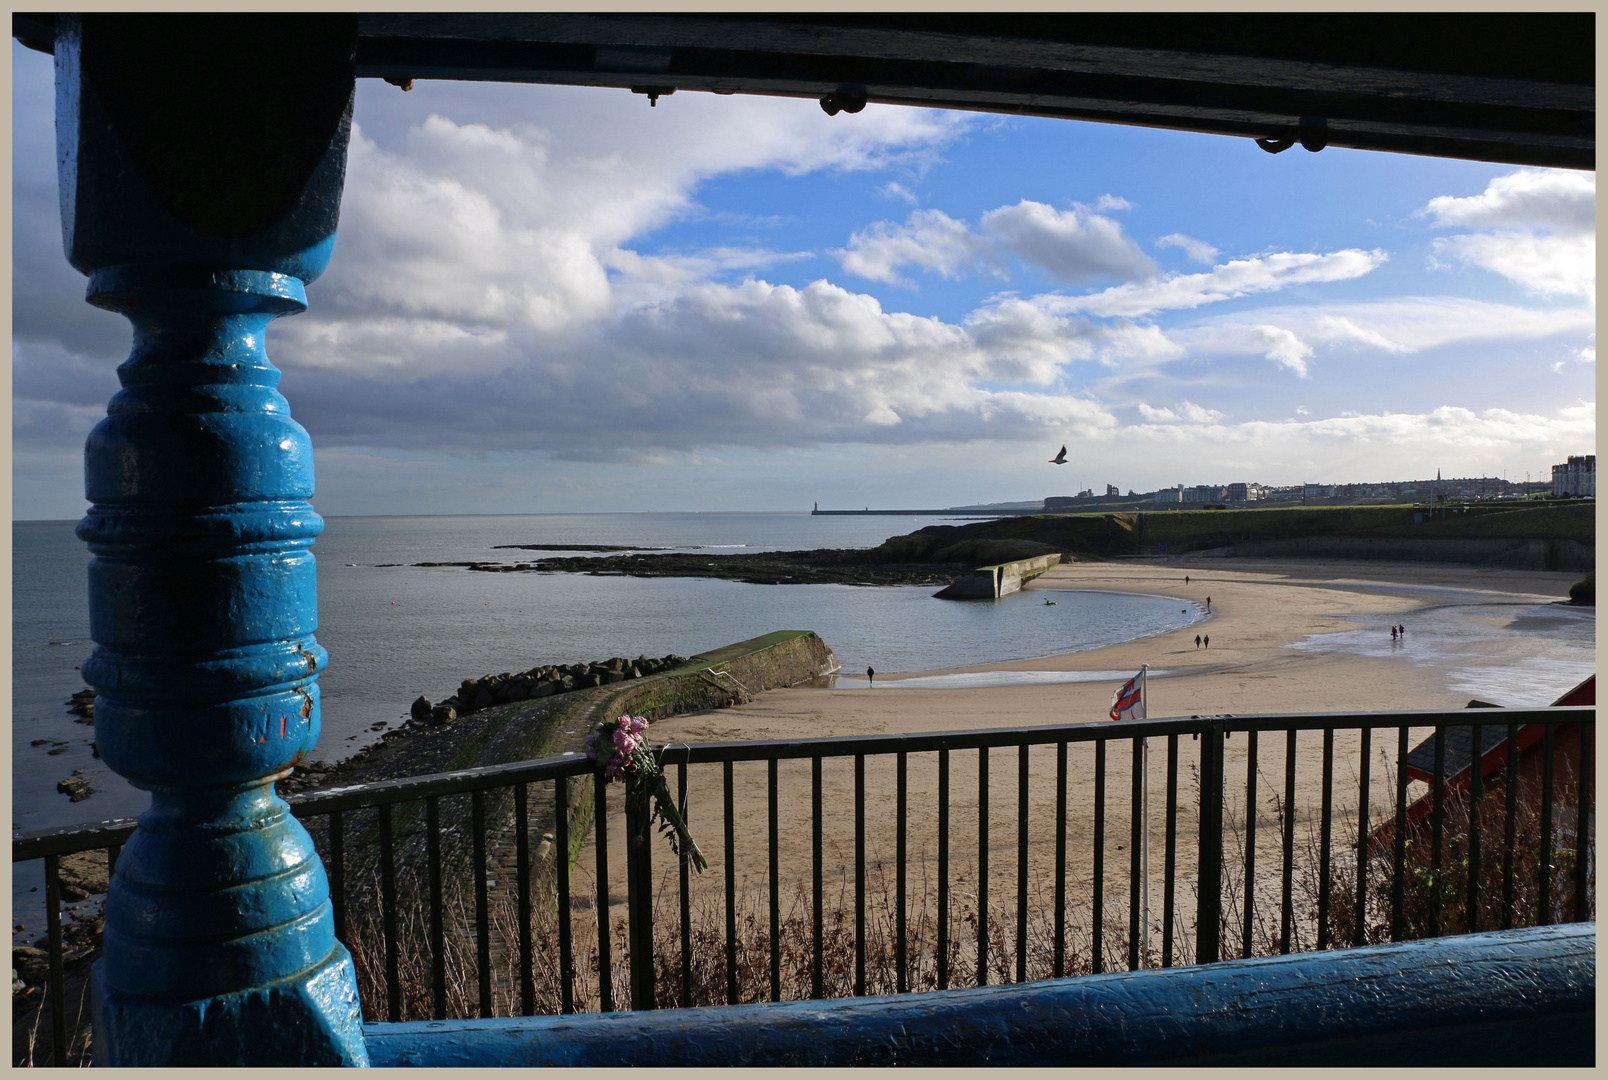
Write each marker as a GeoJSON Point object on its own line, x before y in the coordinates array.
{"type": "Point", "coordinates": [395, 632]}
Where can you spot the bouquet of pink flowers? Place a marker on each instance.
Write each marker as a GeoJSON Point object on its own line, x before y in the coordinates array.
{"type": "Point", "coordinates": [622, 749]}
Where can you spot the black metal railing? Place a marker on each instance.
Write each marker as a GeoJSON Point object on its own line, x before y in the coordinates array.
{"type": "Point", "coordinates": [1378, 883]}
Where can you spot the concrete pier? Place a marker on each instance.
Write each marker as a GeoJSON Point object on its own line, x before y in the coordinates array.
{"type": "Point", "coordinates": [1001, 579]}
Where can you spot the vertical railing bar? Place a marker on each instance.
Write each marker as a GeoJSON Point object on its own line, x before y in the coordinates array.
{"type": "Point", "coordinates": [900, 945]}
{"type": "Point", "coordinates": [600, 827]}
{"type": "Point", "coordinates": [1437, 826]}
{"type": "Point", "coordinates": [1135, 849]}
{"type": "Point", "coordinates": [393, 984]}
{"type": "Point", "coordinates": [943, 869]}
{"type": "Point", "coordinates": [1476, 797]}
{"type": "Point", "coordinates": [1246, 942]}
{"type": "Point", "coordinates": [642, 920]}
{"type": "Point", "coordinates": [685, 897]}
{"type": "Point", "coordinates": [1365, 748]}
{"type": "Point", "coordinates": [1510, 794]}
{"type": "Point", "coordinates": [1398, 875]}
{"type": "Point", "coordinates": [1325, 836]}
{"type": "Point", "coordinates": [775, 888]}
{"type": "Point", "coordinates": [337, 871]}
{"type": "Point", "coordinates": [438, 933]}
{"type": "Point", "coordinates": [731, 884]}
{"type": "Point", "coordinates": [1021, 862]}
{"type": "Point", "coordinates": [1058, 969]}
{"type": "Point", "coordinates": [477, 814]}
{"type": "Point", "coordinates": [1098, 902]}
{"type": "Point", "coordinates": [1208, 924]}
{"type": "Point", "coordinates": [1287, 883]}
{"type": "Point", "coordinates": [1582, 907]}
{"type": "Point", "coordinates": [1170, 864]}
{"type": "Point", "coordinates": [859, 875]}
{"type": "Point", "coordinates": [639, 909]}
{"type": "Point", "coordinates": [982, 866]}
{"type": "Point", "coordinates": [566, 953]}
{"type": "Point", "coordinates": [1544, 891]}
{"type": "Point", "coordinates": [527, 952]}
{"type": "Point", "coordinates": [58, 989]}
{"type": "Point", "coordinates": [817, 974]}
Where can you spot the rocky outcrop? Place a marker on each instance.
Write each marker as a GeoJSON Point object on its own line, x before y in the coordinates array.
{"type": "Point", "coordinates": [1583, 593]}
{"type": "Point", "coordinates": [823, 566]}
{"type": "Point", "coordinates": [540, 682]}
{"type": "Point", "coordinates": [75, 787]}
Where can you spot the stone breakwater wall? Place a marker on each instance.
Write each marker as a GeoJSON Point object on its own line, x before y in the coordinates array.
{"type": "Point", "coordinates": [551, 727]}
{"type": "Point", "coordinates": [1516, 554]}
{"type": "Point", "coordinates": [992, 582]}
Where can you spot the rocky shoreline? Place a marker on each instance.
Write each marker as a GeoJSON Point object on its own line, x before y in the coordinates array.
{"type": "Point", "coordinates": [822, 566]}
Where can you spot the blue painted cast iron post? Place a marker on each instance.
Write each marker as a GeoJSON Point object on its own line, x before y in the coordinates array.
{"type": "Point", "coordinates": [201, 161]}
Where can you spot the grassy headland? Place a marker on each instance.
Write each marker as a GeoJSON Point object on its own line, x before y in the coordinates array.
{"type": "Point", "coordinates": [1183, 531]}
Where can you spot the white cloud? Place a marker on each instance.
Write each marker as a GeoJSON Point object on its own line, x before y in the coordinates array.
{"type": "Point", "coordinates": [1184, 412]}
{"type": "Point", "coordinates": [1393, 445]}
{"type": "Point", "coordinates": [1069, 244]}
{"type": "Point", "coordinates": [895, 190]}
{"type": "Point", "coordinates": [752, 364]}
{"type": "Point", "coordinates": [1540, 230]}
{"type": "Point", "coordinates": [1407, 324]}
{"type": "Point", "coordinates": [1556, 199]}
{"type": "Point", "coordinates": [1109, 202]}
{"type": "Point", "coordinates": [1285, 348]}
{"type": "Point", "coordinates": [1541, 263]}
{"type": "Point", "coordinates": [1233, 279]}
{"type": "Point", "coordinates": [1197, 250]}
{"type": "Point", "coordinates": [1073, 245]}
{"type": "Point", "coordinates": [929, 239]}
{"type": "Point", "coordinates": [1338, 328]}
{"type": "Point", "coordinates": [462, 242]}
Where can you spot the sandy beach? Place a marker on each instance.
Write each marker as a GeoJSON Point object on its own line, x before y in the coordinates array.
{"type": "Point", "coordinates": [1289, 636]}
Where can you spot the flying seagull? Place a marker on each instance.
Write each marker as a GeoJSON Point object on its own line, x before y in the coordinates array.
{"type": "Point", "coordinates": [1059, 459]}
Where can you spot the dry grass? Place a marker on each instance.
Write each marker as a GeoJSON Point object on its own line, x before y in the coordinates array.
{"type": "Point", "coordinates": [707, 982]}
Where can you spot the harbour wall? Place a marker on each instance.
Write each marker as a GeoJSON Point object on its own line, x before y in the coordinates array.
{"type": "Point", "coordinates": [1514, 554]}
{"type": "Point", "coordinates": [552, 727]}
{"type": "Point", "coordinates": [1002, 579]}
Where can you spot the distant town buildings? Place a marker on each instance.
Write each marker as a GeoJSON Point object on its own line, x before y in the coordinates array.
{"type": "Point", "coordinates": [1576, 477]}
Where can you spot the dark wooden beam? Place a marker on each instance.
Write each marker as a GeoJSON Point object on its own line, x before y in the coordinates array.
{"type": "Point", "coordinates": [1504, 87]}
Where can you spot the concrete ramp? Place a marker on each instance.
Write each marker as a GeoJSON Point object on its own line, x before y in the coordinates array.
{"type": "Point", "coordinates": [1001, 579]}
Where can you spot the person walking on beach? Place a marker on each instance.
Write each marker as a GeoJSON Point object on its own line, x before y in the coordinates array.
{"type": "Point", "coordinates": [1208, 640]}
{"type": "Point", "coordinates": [870, 676]}
{"type": "Point", "coordinates": [1208, 605]}
{"type": "Point", "coordinates": [1197, 641]}
{"type": "Point", "coordinates": [1186, 579]}
{"type": "Point", "coordinates": [1392, 633]}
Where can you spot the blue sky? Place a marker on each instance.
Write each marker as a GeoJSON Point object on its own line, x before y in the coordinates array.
{"type": "Point", "coordinates": [549, 299]}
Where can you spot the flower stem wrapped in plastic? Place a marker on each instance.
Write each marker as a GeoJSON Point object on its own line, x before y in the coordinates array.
{"type": "Point", "coordinates": [621, 749]}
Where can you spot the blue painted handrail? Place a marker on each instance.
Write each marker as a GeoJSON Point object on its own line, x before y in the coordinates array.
{"type": "Point", "coordinates": [1518, 997]}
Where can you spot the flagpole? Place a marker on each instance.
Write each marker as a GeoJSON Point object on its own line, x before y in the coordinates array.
{"type": "Point", "coordinates": [1144, 804]}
